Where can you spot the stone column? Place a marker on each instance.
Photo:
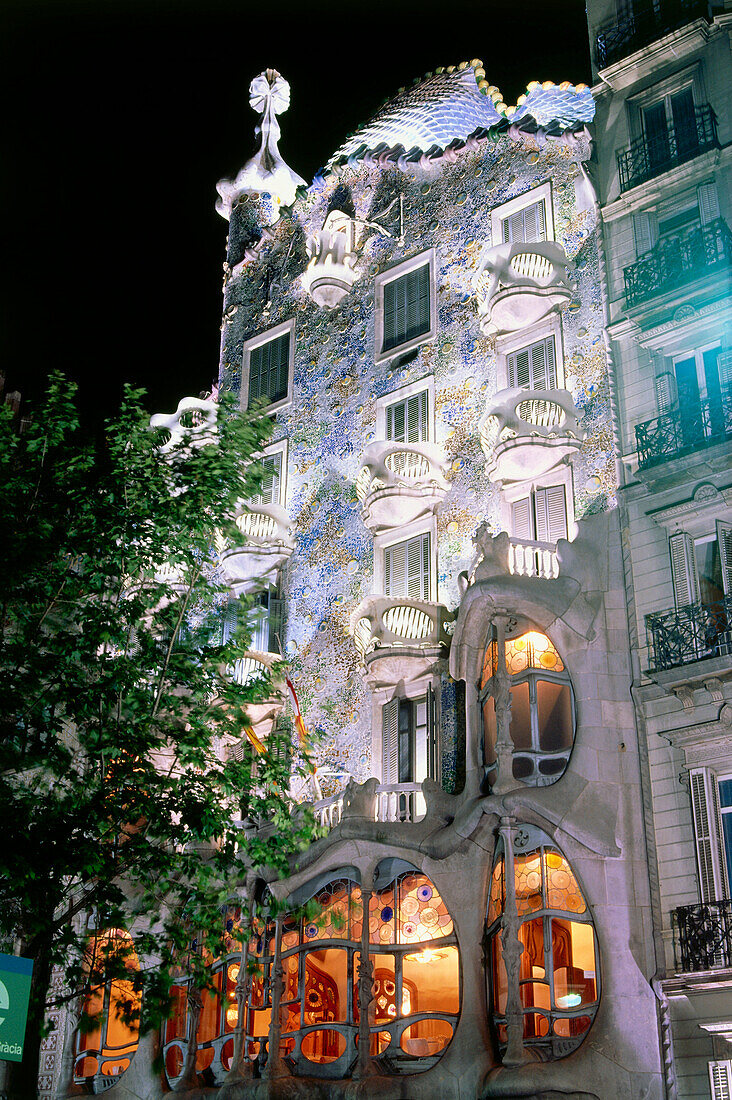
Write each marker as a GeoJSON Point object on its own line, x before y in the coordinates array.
{"type": "Point", "coordinates": [364, 1065]}
{"type": "Point", "coordinates": [473, 732]}
{"type": "Point", "coordinates": [515, 1054]}
{"type": "Point", "coordinates": [502, 697]}
{"type": "Point", "coordinates": [189, 1077]}
{"type": "Point", "coordinates": [276, 1065]}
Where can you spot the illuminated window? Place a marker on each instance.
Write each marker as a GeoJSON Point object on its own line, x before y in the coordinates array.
{"type": "Point", "coordinates": [268, 367]}
{"type": "Point", "coordinates": [558, 979]}
{"type": "Point", "coordinates": [405, 306]}
{"type": "Point", "coordinates": [542, 708]}
{"type": "Point", "coordinates": [106, 1050]}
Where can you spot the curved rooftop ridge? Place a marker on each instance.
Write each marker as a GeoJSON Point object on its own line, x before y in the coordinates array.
{"type": "Point", "coordinates": [456, 104]}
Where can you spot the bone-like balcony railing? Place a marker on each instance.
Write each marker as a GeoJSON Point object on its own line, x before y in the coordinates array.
{"type": "Point", "coordinates": [268, 544]}
{"type": "Point", "coordinates": [518, 284]}
{"type": "Point", "coordinates": [394, 622]}
{"type": "Point", "coordinates": [525, 433]}
{"type": "Point", "coordinates": [398, 482]}
{"type": "Point", "coordinates": [392, 802]}
{"type": "Point", "coordinates": [528, 558]}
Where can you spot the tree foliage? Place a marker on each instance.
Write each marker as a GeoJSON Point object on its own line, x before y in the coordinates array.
{"type": "Point", "coordinates": [117, 701]}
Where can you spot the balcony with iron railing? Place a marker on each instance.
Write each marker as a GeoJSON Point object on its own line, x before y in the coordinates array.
{"type": "Point", "coordinates": [682, 635]}
{"type": "Point", "coordinates": [703, 936]}
{"type": "Point", "coordinates": [525, 433]}
{"type": "Point", "coordinates": [679, 260]}
{"type": "Point", "coordinates": [650, 155]}
{"type": "Point", "coordinates": [692, 426]}
{"type": "Point", "coordinates": [399, 482]}
{"type": "Point", "coordinates": [268, 544]}
{"type": "Point", "coordinates": [642, 23]}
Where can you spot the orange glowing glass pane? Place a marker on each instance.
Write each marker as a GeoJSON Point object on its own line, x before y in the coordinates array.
{"type": "Point", "coordinates": [575, 966]}
{"type": "Point", "coordinates": [381, 916]}
{"type": "Point", "coordinates": [489, 664]}
{"type": "Point", "coordinates": [113, 1037]}
{"type": "Point", "coordinates": [532, 650]}
{"type": "Point", "coordinates": [562, 890]}
{"type": "Point", "coordinates": [422, 914]}
{"type": "Point", "coordinates": [497, 894]}
{"type": "Point", "coordinates": [528, 883]}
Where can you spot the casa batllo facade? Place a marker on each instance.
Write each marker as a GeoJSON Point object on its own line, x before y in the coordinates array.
{"type": "Point", "coordinates": [438, 553]}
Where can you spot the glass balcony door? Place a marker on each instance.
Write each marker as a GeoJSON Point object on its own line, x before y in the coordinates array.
{"type": "Point", "coordinates": [670, 130]}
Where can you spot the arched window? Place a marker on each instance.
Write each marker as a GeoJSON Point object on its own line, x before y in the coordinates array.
{"type": "Point", "coordinates": [218, 1014]}
{"type": "Point", "coordinates": [105, 1052]}
{"type": "Point", "coordinates": [542, 708]}
{"type": "Point", "coordinates": [558, 979]}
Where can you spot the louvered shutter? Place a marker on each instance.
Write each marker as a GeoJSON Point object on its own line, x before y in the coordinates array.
{"type": "Point", "coordinates": [396, 422]}
{"type": "Point", "coordinates": [270, 494]}
{"type": "Point", "coordinates": [543, 366]}
{"type": "Point", "coordinates": [276, 622]}
{"type": "Point", "coordinates": [259, 624]}
{"type": "Point", "coordinates": [708, 203]}
{"type": "Point", "coordinates": [390, 311]}
{"type": "Point", "coordinates": [724, 366]}
{"type": "Point", "coordinates": [395, 570]}
{"type": "Point", "coordinates": [720, 1080]}
{"type": "Point", "coordinates": [724, 541]}
{"type": "Point", "coordinates": [519, 368]}
{"type": "Point", "coordinates": [418, 568]}
{"type": "Point", "coordinates": [522, 525]}
{"type": "Point", "coordinates": [645, 233]}
{"type": "Point", "coordinates": [707, 835]}
{"type": "Point", "coordinates": [390, 741]}
{"type": "Point", "coordinates": [550, 508]}
{"type": "Point", "coordinates": [229, 618]}
{"type": "Point", "coordinates": [417, 418]}
{"type": "Point", "coordinates": [525, 225]}
{"type": "Point", "coordinates": [418, 302]}
{"type": "Point", "coordinates": [683, 569]}
{"type": "Point", "coordinates": [432, 739]}
{"type": "Point", "coordinates": [257, 373]}
{"type": "Point", "coordinates": [666, 396]}
{"type": "Point", "coordinates": [269, 369]}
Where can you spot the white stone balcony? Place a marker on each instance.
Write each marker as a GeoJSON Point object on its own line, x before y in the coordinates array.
{"type": "Point", "coordinates": [399, 482]}
{"type": "Point", "coordinates": [518, 284]}
{"type": "Point", "coordinates": [193, 424]}
{"type": "Point", "coordinates": [269, 543]}
{"type": "Point", "coordinates": [525, 433]}
{"type": "Point", "coordinates": [392, 802]}
{"type": "Point", "coordinates": [399, 638]}
{"type": "Point", "coordinates": [261, 715]}
{"type": "Point", "coordinates": [527, 558]}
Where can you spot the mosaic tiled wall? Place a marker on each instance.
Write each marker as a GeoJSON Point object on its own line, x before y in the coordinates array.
{"type": "Point", "coordinates": [332, 416]}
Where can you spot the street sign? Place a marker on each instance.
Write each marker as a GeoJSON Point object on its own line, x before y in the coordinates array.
{"type": "Point", "coordinates": [15, 984]}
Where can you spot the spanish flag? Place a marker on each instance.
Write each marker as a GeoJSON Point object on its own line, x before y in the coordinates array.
{"type": "Point", "coordinates": [299, 723]}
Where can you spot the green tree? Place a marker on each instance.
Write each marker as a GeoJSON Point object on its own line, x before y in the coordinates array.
{"type": "Point", "coordinates": [117, 801]}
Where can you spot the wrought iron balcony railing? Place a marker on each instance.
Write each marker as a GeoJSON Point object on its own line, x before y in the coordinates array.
{"type": "Point", "coordinates": [682, 430]}
{"type": "Point", "coordinates": [649, 156]}
{"type": "Point", "coordinates": [642, 23]}
{"type": "Point", "coordinates": [679, 260]}
{"type": "Point", "coordinates": [703, 936]}
{"type": "Point", "coordinates": [692, 633]}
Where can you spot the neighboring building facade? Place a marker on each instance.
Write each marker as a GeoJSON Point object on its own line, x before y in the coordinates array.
{"type": "Point", "coordinates": [664, 149]}
{"type": "Point", "coordinates": [438, 553]}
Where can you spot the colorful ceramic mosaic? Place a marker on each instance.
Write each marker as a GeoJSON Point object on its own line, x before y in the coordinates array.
{"type": "Point", "coordinates": [409, 911]}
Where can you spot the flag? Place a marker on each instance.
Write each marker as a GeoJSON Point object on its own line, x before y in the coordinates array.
{"type": "Point", "coordinates": [299, 723]}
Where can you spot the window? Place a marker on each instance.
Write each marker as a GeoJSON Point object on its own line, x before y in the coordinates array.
{"type": "Point", "coordinates": [720, 1080]}
{"type": "Point", "coordinates": [711, 810]}
{"type": "Point", "coordinates": [527, 224]}
{"type": "Point", "coordinates": [406, 420]}
{"type": "Point", "coordinates": [405, 306]}
{"type": "Point", "coordinates": [268, 366]}
{"type": "Point", "coordinates": [670, 130]}
{"type": "Point", "coordinates": [541, 516]}
{"type": "Point", "coordinates": [271, 481]}
{"type": "Point", "coordinates": [542, 709]}
{"type": "Point", "coordinates": [683, 214]}
{"type": "Point", "coordinates": [558, 980]}
{"type": "Point", "coordinates": [701, 568]}
{"type": "Point", "coordinates": [264, 620]}
{"type": "Point", "coordinates": [106, 1050]}
{"type": "Point", "coordinates": [524, 219]}
{"type": "Point", "coordinates": [407, 568]}
{"type": "Point", "coordinates": [409, 741]}
{"type": "Point", "coordinates": [534, 367]}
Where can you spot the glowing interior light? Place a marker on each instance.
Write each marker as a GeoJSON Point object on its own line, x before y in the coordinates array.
{"type": "Point", "coordinates": [232, 1015]}
{"type": "Point", "coordinates": [425, 956]}
{"type": "Point", "coordinates": [569, 1000]}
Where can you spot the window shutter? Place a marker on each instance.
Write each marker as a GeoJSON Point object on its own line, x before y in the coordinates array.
{"type": "Point", "coordinates": [395, 570]}
{"type": "Point", "coordinates": [707, 835]}
{"type": "Point", "coordinates": [432, 741]}
{"type": "Point", "coordinates": [269, 369]}
{"type": "Point", "coordinates": [708, 203]}
{"type": "Point", "coordinates": [390, 336]}
{"type": "Point", "coordinates": [521, 520]}
{"type": "Point", "coordinates": [644, 230]}
{"type": "Point", "coordinates": [406, 307]}
{"type": "Point", "coordinates": [390, 741]}
{"type": "Point", "coordinates": [395, 422]}
{"type": "Point", "coordinates": [279, 368]}
{"type": "Point", "coordinates": [519, 368]}
{"type": "Point", "coordinates": [418, 307]}
{"type": "Point", "coordinates": [551, 514]}
{"type": "Point", "coordinates": [666, 397]}
{"type": "Point", "coordinates": [513, 228]}
{"type": "Point", "coordinates": [276, 620]}
{"type": "Point", "coordinates": [543, 367]}
{"type": "Point", "coordinates": [256, 371]}
{"type": "Point", "coordinates": [724, 366]}
{"type": "Point", "coordinates": [270, 493]}
{"type": "Point", "coordinates": [526, 225]}
{"type": "Point", "coordinates": [720, 1080]}
{"type": "Point", "coordinates": [229, 619]}
{"type": "Point", "coordinates": [417, 418]}
{"type": "Point", "coordinates": [418, 568]}
{"type": "Point", "coordinates": [724, 541]}
{"type": "Point", "coordinates": [683, 569]}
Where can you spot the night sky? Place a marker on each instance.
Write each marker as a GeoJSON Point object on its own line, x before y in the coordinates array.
{"type": "Point", "coordinates": [121, 115]}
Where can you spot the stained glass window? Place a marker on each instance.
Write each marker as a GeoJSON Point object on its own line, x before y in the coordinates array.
{"type": "Point", "coordinates": [542, 709]}
{"type": "Point", "coordinates": [107, 1049]}
{"type": "Point", "coordinates": [558, 979]}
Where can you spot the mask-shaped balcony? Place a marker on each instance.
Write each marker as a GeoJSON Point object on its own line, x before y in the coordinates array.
{"type": "Point", "coordinates": [330, 274]}
{"type": "Point", "coordinates": [263, 714]}
{"type": "Point", "coordinates": [399, 638]}
{"type": "Point", "coordinates": [399, 482]}
{"type": "Point", "coordinates": [525, 433]}
{"type": "Point", "coordinates": [267, 546]}
{"type": "Point", "coordinates": [518, 284]}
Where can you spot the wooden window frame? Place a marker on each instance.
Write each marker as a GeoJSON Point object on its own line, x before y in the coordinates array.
{"type": "Point", "coordinates": [286, 328]}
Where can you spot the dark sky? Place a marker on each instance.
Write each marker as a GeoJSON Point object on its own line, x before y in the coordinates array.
{"type": "Point", "coordinates": [121, 115]}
